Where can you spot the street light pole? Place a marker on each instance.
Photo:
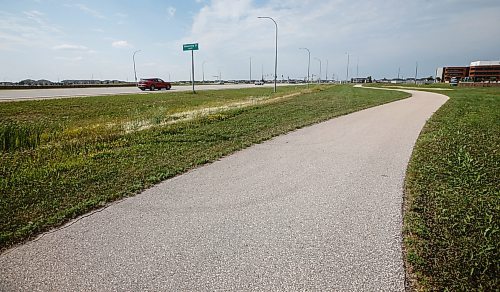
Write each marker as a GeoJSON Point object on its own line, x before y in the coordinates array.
{"type": "Point", "coordinates": [357, 69]}
{"type": "Point", "coordinates": [203, 70]}
{"type": "Point", "coordinates": [326, 76]}
{"type": "Point", "coordinates": [276, 55]}
{"type": "Point", "coordinates": [250, 69]}
{"type": "Point", "coordinates": [319, 69]}
{"type": "Point", "coordinates": [416, 71]}
{"type": "Point", "coordinates": [308, 62]}
{"type": "Point", "coordinates": [347, 74]}
{"type": "Point", "coordinates": [133, 58]}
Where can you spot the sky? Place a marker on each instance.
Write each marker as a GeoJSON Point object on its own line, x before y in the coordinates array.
{"type": "Point", "coordinates": [90, 39]}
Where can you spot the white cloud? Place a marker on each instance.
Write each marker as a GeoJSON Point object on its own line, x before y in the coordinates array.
{"type": "Point", "coordinates": [88, 10]}
{"type": "Point", "coordinates": [34, 14]}
{"type": "Point", "coordinates": [28, 29]}
{"type": "Point", "coordinates": [68, 47]}
{"type": "Point", "coordinates": [120, 44]}
{"type": "Point", "coordinates": [121, 15]}
{"type": "Point", "coordinates": [171, 11]}
{"type": "Point", "coordinates": [70, 59]}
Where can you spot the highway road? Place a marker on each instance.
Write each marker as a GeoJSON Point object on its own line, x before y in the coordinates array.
{"type": "Point", "coordinates": [27, 94]}
{"type": "Point", "coordinates": [317, 209]}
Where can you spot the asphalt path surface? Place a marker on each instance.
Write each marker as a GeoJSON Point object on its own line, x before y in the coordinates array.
{"type": "Point", "coordinates": [316, 209]}
{"type": "Point", "coordinates": [28, 94]}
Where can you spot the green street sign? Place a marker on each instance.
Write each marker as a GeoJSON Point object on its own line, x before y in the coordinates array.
{"type": "Point", "coordinates": [190, 47]}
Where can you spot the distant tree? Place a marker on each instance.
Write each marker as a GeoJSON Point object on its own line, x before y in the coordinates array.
{"type": "Point", "coordinates": [438, 79]}
{"type": "Point", "coordinates": [27, 82]}
{"type": "Point", "coordinates": [430, 78]}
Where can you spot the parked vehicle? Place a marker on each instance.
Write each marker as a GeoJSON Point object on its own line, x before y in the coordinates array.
{"type": "Point", "coordinates": [153, 84]}
{"type": "Point", "coordinates": [258, 82]}
{"type": "Point", "coordinates": [454, 81]}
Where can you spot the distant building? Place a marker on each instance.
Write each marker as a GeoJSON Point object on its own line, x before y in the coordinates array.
{"type": "Point", "coordinates": [397, 80]}
{"type": "Point", "coordinates": [80, 82]}
{"type": "Point", "coordinates": [484, 71]}
{"type": "Point", "coordinates": [439, 74]}
{"type": "Point", "coordinates": [478, 71]}
{"type": "Point", "coordinates": [457, 72]}
{"type": "Point", "coordinates": [383, 80]}
{"type": "Point", "coordinates": [362, 80]}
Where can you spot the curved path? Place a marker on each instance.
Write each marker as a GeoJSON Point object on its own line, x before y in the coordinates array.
{"type": "Point", "coordinates": [316, 209]}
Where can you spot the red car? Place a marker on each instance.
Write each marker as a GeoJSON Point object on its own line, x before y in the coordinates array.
{"type": "Point", "coordinates": [153, 83]}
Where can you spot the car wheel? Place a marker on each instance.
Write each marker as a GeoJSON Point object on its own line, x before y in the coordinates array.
{"type": "Point", "coordinates": [152, 88]}
{"type": "Point", "coordinates": [167, 88]}
{"type": "Point", "coordinates": [142, 89]}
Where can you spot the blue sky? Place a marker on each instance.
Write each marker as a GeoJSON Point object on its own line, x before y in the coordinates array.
{"type": "Point", "coordinates": [86, 39]}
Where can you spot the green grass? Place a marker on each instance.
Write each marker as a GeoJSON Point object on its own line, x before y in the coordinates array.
{"type": "Point", "coordinates": [451, 222]}
{"type": "Point", "coordinates": [85, 157]}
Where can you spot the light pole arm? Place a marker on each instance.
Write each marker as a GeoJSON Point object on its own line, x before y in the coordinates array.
{"type": "Point", "coordinates": [276, 55]}
{"type": "Point", "coordinates": [308, 62]}
{"type": "Point", "coordinates": [133, 59]}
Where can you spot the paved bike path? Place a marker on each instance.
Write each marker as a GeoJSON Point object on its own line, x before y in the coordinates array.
{"type": "Point", "coordinates": [316, 209]}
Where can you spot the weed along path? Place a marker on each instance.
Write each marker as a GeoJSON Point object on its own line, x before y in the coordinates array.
{"type": "Point", "coordinates": [316, 209]}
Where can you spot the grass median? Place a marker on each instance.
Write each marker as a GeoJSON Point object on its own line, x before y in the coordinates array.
{"type": "Point", "coordinates": [452, 226]}
{"type": "Point", "coordinates": [63, 158]}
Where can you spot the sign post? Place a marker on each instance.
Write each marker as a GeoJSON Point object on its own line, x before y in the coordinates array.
{"type": "Point", "coordinates": [192, 48]}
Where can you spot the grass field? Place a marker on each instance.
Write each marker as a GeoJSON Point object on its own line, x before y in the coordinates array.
{"type": "Point", "coordinates": [452, 226]}
{"type": "Point", "coordinates": [62, 158]}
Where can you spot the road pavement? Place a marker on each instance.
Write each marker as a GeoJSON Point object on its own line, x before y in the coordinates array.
{"type": "Point", "coordinates": [27, 94]}
{"type": "Point", "coordinates": [316, 209]}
